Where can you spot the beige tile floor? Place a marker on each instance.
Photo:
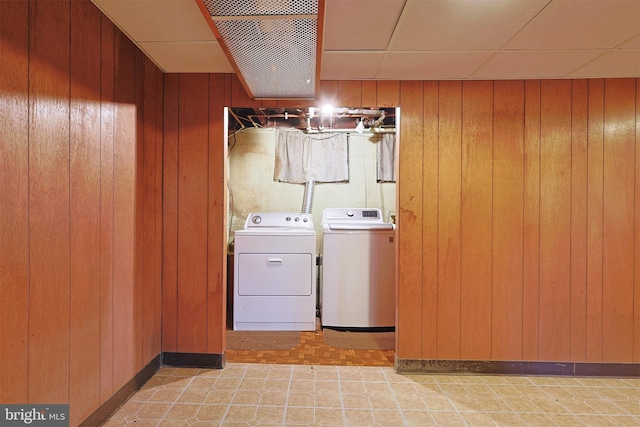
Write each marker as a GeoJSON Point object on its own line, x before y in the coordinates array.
{"type": "Point", "coordinates": [244, 394]}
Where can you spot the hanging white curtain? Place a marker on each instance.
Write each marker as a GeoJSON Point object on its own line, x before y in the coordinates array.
{"type": "Point", "coordinates": [320, 157]}
{"type": "Point", "coordinates": [387, 158]}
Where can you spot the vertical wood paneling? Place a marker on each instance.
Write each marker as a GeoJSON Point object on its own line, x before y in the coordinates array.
{"type": "Point", "coordinates": [449, 187]}
{"type": "Point", "coordinates": [84, 191]}
{"type": "Point", "coordinates": [270, 103]}
{"type": "Point", "coordinates": [170, 215]}
{"type": "Point", "coordinates": [140, 285]}
{"type": "Point", "coordinates": [579, 112]}
{"type": "Point", "coordinates": [228, 96]}
{"type": "Point", "coordinates": [69, 132]}
{"type": "Point", "coordinates": [538, 210]}
{"type": "Point", "coordinates": [410, 272]}
{"type": "Point", "coordinates": [476, 220]}
{"type": "Point", "coordinates": [49, 196]}
{"type": "Point", "coordinates": [106, 190]}
{"type": "Point", "coordinates": [388, 93]}
{"type": "Point", "coordinates": [217, 219]}
{"type": "Point", "coordinates": [14, 208]}
{"type": "Point", "coordinates": [148, 201]}
{"type": "Point", "coordinates": [292, 103]}
{"type": "Point", "coordinates": [508, 202]}
{"type": "Point", "coordinates": [239, 96]}
{"type": "Point", "coordinates": [124, 154]}
{"type": "Point", "coordinates": [594, 221]}
{"type": "Point", "coordinates": [555, 220]}
{"type": "Point", "coordinates": [350, 93]}
{"type": "Point", "coordinates": [192, 213]}
{"type": "Point", "coordinates": [156, 341]}
{"type": "Point", "coordinates": [430, 176]}
{"type": "Point", "coordinates": [49, 202]}
{"type": "Point", "coordinates": [369, 94]}
{"type": "Point", "coordinates": [636, 277]}
{"type": "Point", "coordinates": [524, 116]}
{"type": "Point", "coordinates": [531, 218]}
{"type": "Point", "coordinates": [618, 232]}
{"type": "Point", "coordinates": [329, 93]}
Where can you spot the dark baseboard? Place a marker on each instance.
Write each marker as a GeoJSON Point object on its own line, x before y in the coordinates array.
{"type": "Point", "coordinates": [607, 370]}
{"type": "Point", "coordinates": [194, 360]}
{"type": "Point", "coordinates": [109, 407]}
{"type": "Point", "coordinates": [571, 369]}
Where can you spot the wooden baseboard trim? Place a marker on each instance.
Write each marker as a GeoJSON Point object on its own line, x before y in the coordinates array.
{"type": "Point", "coordinates": [571, 369]}
{"type": "Point", "coordinates": [105, 410]}
{"type": "Point", "coordinates": [194, 360]}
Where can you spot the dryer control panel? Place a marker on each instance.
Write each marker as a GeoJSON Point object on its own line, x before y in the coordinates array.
{"type": "Point", "coordinates": [279, 220]}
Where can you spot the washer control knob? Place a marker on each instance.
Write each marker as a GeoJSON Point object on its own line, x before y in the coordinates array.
{"type": "Point", "coordinates": [288, 218]}
{"type": "Point", "coordinates": [349, 214]}
{"type": "Point", "coordinates": [256, 219]}
{"type": "Point", "coordinates": [297, 219]}
{"type": "Point", "coordinates": [305, 219]}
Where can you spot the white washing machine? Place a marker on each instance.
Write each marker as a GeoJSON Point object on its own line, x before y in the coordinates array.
{"type": "Point", "coordinates": [275, 273]}
{"type": "Point", "coordinates": [358, 269]}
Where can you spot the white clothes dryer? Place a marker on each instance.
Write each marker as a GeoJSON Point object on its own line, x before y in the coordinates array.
{"type": "Point", "coordinates": [275, 273]}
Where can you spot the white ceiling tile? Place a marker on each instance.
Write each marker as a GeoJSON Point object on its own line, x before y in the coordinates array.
{"type": "Point", "coordinates": [581, 24]}
{"type": "Point", "coordinates": [461, 24]}
{"type": "Point", "coordinates": [619, 63]}
{"type": "Point", "coordinates": [418, 39]}
{"type": "Point", "coordinates": [430, 65]}
{"type": "Point", "coordinates": [360, 24]}
{"type": "Point", "coordinates": [534, 64]}
{"type": "Point", "coordinates": [153, 20]}
{"type": "Point", "coordinates": [188, 57]}
{"type": "Point", "coordinates": [350, 65]}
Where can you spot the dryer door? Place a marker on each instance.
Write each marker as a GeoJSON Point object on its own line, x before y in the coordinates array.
{"type": "Point", "coordinates": [275, 274]}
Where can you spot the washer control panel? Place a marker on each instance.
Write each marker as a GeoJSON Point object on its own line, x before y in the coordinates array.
{"type": "Point", "coordinates": [356, 214]}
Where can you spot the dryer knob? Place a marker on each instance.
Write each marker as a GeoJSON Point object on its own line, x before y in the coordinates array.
{"type": "Point", "coordinates": [349, 214]}
{"type": "Point", "coordinates": [256, 219]}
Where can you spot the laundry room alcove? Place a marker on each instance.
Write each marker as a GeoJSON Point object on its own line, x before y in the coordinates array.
{"type": "Point", "coordinates": [353, 153]}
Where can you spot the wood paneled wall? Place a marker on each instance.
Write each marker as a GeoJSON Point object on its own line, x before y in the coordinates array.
{"type": "Point", "coordinates": [195, 213]}
{"type": "Point", "coordinates": [518, 224]}
{"type": "Point", "coordinates": [80, 210]}
{"type": "Point", "coordinates": [195, 198]}
{"type": "Point", "coordinates": [518, 199]}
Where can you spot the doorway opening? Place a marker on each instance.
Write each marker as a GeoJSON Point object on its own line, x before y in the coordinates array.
{"type": "Point", "coordinates": [254, 185]}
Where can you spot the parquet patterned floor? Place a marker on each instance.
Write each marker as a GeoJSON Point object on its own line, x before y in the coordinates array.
{"type": "Point", "coordinates": [313, 350]}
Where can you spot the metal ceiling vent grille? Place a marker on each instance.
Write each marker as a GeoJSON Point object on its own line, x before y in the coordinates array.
{"type": "Point", "coordinates": [273, 44]}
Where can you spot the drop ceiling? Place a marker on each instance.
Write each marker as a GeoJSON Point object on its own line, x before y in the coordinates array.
{"type": "Point", "coordinates": [417, 39]}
